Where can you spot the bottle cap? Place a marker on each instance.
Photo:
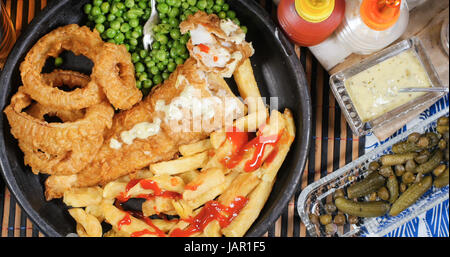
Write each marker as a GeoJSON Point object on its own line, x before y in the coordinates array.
{"type": "Point", "coordinates": [314, 11]}
{"type": "Point", "coordinates": [380, 14]}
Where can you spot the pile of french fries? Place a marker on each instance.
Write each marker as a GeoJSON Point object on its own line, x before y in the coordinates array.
{"type": "Point", "coordinates": [198, 175]}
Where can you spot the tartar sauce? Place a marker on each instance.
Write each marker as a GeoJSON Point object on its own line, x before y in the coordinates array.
{"type": "Point", "coordinates": [374, 91]}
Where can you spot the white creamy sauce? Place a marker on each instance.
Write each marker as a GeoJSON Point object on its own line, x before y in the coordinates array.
{"type": "Point", "coordinates": [190, 100]}
{"type": "Point", "coordinates": [141, 130]}
{"type": "Point", "coordinates": [374, 91]}
{"type": "Point", "coordinates": [115, 144]}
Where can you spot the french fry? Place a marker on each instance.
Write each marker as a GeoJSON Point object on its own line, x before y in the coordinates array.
{"type": "Point", "coordinates": [114, 189]}
{"type": "Point", "coordinates": [82, 197]}
{"type": "Point", "coordinates": [241, 186]}
{"type": "Point", "coordinates": [189, 176]}
{"type": "Point", "coordinates": [256, 200]}
{"type": "Point", "coordinates": [212, 229]}
{"type": "Point", "coordinates": [195, 148]}
{"type": "Point", "coordinates": [156, 206]}
{"type": "Point", "coordinates": [207, 180]}
{"type": "Point", "coordinates": [164, 225]}
{"type": "Point", "coordinates": [90, 226]}
{"type": "Point", "coordinates": [182, 208]}
{"type": "Point", "coordinates": [163, 182]}
{"type": "Point", "coordinates": [96, 210]}
{"type": "Point", "coordinates": [258, 197]}
{"type": "Point", "coordinates": [113, 216]}
{"type": "Point", "coordinates": [248, 89]}
{"type": "Point", "coordinates": [270, 171]}
{"type": "Point", "coordinates": [214, 192]}
{"type": "Point", "coordinates": [180, 165]}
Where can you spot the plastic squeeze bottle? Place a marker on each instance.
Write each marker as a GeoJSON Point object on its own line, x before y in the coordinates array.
{"type": "Point", "coordinates": [309, 22]}
{"type": "Point", "coordinates": [368, 26]}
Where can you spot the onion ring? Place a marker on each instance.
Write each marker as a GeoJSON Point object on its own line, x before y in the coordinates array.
{"type": "Point", "coordinates": [115, 73]}
{"type": "Point", "coordinates": [81, 41]}
{"type": "Point", "coordinates": [63, 148]}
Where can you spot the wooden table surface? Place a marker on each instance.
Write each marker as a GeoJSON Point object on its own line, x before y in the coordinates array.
{"type": "Point", "coordinates": [333, 144]}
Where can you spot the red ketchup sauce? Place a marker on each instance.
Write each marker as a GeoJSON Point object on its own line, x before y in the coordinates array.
{"type": "Point", "coordinates": [150, 185]}
{"type": "Point", "coordinates": [212, 210]}
{"type": "Point", "coordinates": [241, 145]}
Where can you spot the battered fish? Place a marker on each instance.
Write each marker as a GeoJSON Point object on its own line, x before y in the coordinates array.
{"type": "Point", "coordinates": [186, 108]}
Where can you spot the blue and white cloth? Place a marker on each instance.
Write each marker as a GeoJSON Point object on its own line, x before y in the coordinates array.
{"type": "Point", "coordinates": [434, 222]}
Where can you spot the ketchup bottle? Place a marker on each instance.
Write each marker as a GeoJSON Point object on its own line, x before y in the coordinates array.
{"type": "Point", "coordinates": [309, 22]}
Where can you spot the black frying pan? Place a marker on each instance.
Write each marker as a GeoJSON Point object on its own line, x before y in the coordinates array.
{"type": "Point", "coordinates": [277, 71]}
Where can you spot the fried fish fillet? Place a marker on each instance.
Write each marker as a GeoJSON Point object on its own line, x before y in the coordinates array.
{"type": "Point", "coordinates": [190, 96]}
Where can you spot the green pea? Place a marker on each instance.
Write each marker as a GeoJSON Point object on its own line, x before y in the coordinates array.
{"type": "Point", "coordinates": [139, 84]}
{"type": "Point", "coordinates": [154, 70]}
{"type": "Point", "coordinates": [97, 2]}
{"type": "Point", "coordinates": [192, 2]}
{"type": "Point", "coordinates": [162, 8]}
{"type": "Point", "coordinates": [129, 3]}
{"type": "Point", "coordinates": [217, 8]}
{"type": "Point", "coordinates": [193, 9]}
{"type": "Point", "coordinates": [184, 5]}
{"type": "Point", "coordinates": [179, 60]}
{"type": "Point", "coordinates": [58, 61]}
{"type": "Point", "coordinates": [143, 53]}
{"type": "Point", "coordinates": [170, 2]}
{"type": "Point", "coordinates": [185, 55]}
{"type": "Point", "coordinates": [120, 5]}
{"type": "Point", "coordinates": [110, 17]}
{"type": "Point", "coordinates": [142, 4]}
{"type": "Point", "coordinates": [183, 17]}
{"type": "Point", "coordinates": [114, 9]}
{"type": "Point", "coordinates": [174, 12]}
{"type": "Point", "coordinates": [134, 23]}
{"type": "Point", "coordinates": [139, 67]}
{"type": "Point", "coordinates": [165, 75]}
{"type": "Point", "coordinates": [209, 4]}
{"type": "Point", "coordinates": [225, 7]}
{"type": "Point", "coordinates": [244, 29]}
{"type": "Point", "coordinates": [171, 66]}
{"type": "Point", "coordinates": [173, 22]}
{"type": "Point", "coordinates": [161, 55]}
{"type": "Point", "coordinates": [161, 66]}
{"type": "Point", "coordinates": [111, 33]}
{"type": "Point", "coordinates": [184, 39]}
{"type": "Point", "coordinates": [157, 79]}
{"type": "Point", "coordinates": [100, 28]}
{"type": "Point", "coordinates": [147, 83]}
{"type": "Point", "coordinates": [104, 7]}
{"type": "Point", "coordinates": [150, 64]}
{"type": "Point", "coordinates": [134, 34]}
{"type": "Point", "coordinates": [124, 27]}
{"type": "Point", "coordinates": [115, 25]}
{"type": "Point", "coordinates": [100, 19]}
{"type": "Point", "coordinates": [133, 42]}
{"type": "Point", "coordinates": [175, 34]}
{"type": "Point", "coordinates": [231, 14]}
{"type": "Point", "coordinates": [119, 38]}
{"type": "Point", "coordinates": [135, 57]}
{"type": "Point", "coordinates": [87, 8]}
{"type": "Point", "coordinates": [222, 14]}
{"type": "Point", "coordinates": [201, 4]}
{"type": "Point", "coordinates": [156, 45]}
{"type": "Point", "coordinates": [95, 11]}
{"type": "Point", "coordinates": [220, 2]}
{"type": "Point", "coordinates": [235, 20]}
{"type": "Point", "coordinates": [163, 39]}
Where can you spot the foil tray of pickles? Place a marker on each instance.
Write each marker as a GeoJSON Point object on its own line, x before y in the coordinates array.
{"type": "Point", "coordinates": [383, 189]}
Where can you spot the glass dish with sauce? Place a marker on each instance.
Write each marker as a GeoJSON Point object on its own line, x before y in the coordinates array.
{"type": "Point", "coordinates": [368, 92]}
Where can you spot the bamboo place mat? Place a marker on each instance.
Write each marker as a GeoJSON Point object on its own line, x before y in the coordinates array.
{"type": "Point", "coordinates": [333, 144]}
